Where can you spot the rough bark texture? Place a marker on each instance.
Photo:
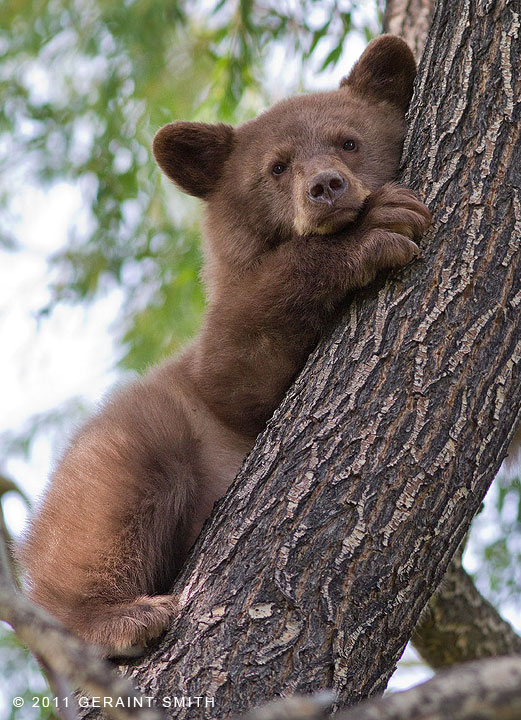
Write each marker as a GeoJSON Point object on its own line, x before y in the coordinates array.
{"type": "Point", "coordinates": [486, 690]}
{"type": "Point", "coordinates": [460, 625]}
{"type": "Point", "coordinates": [411, 19]}
{"type": "Point", "coordinates": [342, 522]}
{"type": "Point", "coordinates": [319, 560]}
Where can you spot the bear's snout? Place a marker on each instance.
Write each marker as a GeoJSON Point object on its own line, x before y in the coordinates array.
{"type": "Point", "coordinates": [326, 187]}
{"type": "Point", "coordinates": [328, 195]}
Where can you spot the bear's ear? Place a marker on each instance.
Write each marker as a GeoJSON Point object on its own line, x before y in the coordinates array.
{"type": "Point", "coordinates": [386, 71]}
{"type": "Point", "coordinates": [193, 154]}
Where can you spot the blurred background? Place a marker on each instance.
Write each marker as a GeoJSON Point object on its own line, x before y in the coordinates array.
{"type": "Point", "coordinates": [99, 255]}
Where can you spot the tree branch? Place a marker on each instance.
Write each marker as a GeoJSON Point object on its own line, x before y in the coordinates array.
{"type": "Point", "coordinates": [459, 625]}
{"type": "Point", "coordinates": [488, 690]}
{"type": "Point", "coordinates": [69, 662]}
{"type": "Point", "coordinates": [295, 707]}
{"type": "Point", "coordinates": [411, 20]}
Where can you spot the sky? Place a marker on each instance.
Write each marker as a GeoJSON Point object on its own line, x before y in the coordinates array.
{"type": "Point", "coordinates": [46, 362]}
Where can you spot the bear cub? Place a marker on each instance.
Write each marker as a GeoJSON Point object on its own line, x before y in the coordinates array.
{"type": "Point", "coordinates": [301, 210]}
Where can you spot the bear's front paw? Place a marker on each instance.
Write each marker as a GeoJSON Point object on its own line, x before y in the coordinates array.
{"type": "Point", "coordinates": [393, 217]}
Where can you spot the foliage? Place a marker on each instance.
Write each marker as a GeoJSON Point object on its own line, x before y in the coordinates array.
{"type": "Point", "coordinates": [495, 543]}
{"type": "Point", "coordinates": [20, 677]}
{"type": "Point", "coordinates": [84, 86]}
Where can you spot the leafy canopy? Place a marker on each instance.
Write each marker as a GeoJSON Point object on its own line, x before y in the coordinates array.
{"type": "Point", "coordinates": [85, 83]}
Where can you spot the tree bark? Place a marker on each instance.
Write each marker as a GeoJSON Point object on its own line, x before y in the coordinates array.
{"type": "Point", "coordinates": [411, 20]}
{"type": "Point", "coordinates": [319, 560]}
{"type": "Point", "coordinates": [486, 690]}
{"type": "Point", "coordinates": [460, 625]}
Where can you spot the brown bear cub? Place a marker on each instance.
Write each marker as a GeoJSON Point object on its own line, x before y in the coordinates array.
{"type": "Point", "coordinates": [300, 211]}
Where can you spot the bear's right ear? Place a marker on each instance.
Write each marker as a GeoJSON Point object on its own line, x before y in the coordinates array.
{"type": "Point", "coordinates": [193, 154]}
{"type": "Point", "coordinates": [385, 71]}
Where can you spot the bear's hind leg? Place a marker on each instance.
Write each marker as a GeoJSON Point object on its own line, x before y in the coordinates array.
{"type": "Point", "coordinates": [117, 521]}
{"type": "Point", "coordinates": [125, 604]}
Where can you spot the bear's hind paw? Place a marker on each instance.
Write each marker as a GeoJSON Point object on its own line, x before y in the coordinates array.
{"type": "Point", "coordinates": [125, 630]}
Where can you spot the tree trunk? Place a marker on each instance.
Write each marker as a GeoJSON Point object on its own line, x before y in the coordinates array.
{"type": "Point", "coordinates": [319, 560]}
{"type": "Point", "coordinates": [460, 625]}
{"type": "Point", "coordinates": [411, 20]}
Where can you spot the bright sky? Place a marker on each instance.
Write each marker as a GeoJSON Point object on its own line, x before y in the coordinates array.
{"type": "Point", "coordinates": [46, 362]}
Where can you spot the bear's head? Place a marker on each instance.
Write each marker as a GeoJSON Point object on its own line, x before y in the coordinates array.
{"type": "Point", "coordinates": [303, 167]}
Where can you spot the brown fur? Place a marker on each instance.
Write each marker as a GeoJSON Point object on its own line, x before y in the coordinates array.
{"type": "Point", "coordinates": [282, 252]}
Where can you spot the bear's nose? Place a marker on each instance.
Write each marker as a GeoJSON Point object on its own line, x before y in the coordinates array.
{"type": "Point", "coordinates": [326, 187]}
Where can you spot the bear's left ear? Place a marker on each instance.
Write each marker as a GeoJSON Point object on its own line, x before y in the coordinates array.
{"type": "Point", "coordinates": [386, 71]}
{"type": "Point", "coordinates": [193, 154]}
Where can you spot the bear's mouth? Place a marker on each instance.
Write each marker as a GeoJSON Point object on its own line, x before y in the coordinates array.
{"type": "Point", "coordinates": [330, 223]}
{"type": "Point", "coordinates": [331, 211]}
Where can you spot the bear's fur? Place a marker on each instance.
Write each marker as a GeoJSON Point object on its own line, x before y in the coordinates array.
{"type": "Point", "coordinates": [300, 212]}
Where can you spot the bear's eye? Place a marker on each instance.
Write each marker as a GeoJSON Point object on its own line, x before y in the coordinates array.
{"type": "Point", "coordinates": [278, 168]}
{"type": "Point", "coordinates": [349, 145]}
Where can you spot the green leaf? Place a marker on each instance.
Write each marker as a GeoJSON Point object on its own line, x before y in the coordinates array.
{"type": "Point", "coordinates": [332, 58]}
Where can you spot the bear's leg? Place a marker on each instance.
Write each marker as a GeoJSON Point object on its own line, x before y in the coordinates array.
{"type": "Point", "coordinates": [118, 520]}
{"type": "Point", "coordinates": [125, 601]}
